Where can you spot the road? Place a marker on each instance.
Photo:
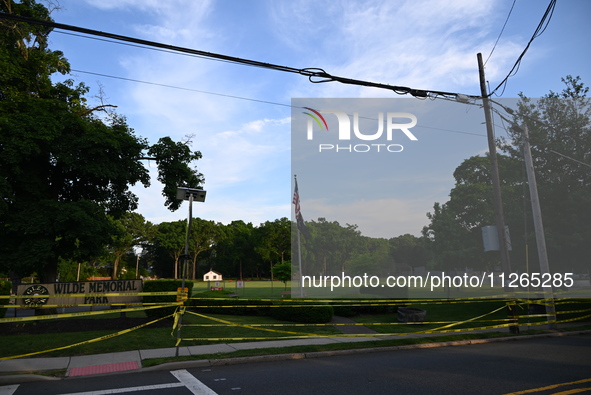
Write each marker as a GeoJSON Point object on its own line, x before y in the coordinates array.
{"type": "Point", "coordinates": [564, 363]}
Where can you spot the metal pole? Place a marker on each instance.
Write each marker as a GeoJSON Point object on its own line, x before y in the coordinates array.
{"type": "Point", "coordinates": [299, 248]}
{"type": "Point", "coordinates": [496, 183]}
{"type": "Point", "coordinates": [184, 269]}
{"type": "Point", "coordinates": [539, 227]}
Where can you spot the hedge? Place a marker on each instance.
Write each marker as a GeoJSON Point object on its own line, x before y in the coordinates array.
{"type": "Point", "coordinates": [163, 286]}
{"type": "Point", "coordinates": [307, 315]}
{"type": "Point", "coordinates": [5, 288]}
{"type": "Point", "coordinates": [263, 310]}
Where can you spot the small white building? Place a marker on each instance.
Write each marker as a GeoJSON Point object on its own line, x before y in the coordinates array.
{"type": "Point", "coordinates": [212, 276]}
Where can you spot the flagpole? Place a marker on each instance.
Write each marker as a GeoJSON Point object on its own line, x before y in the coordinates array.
{"type": "Point", "coordinates": [300, 264]}
{"type": "Point", "coordinates": [299, 246]}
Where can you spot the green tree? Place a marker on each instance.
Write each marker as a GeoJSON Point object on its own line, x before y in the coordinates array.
{"type": "Point", "coordinates": [235, 252]}
{"type": "Point", "coordinates": [410, 250]}
{"type": "Point", "coordinates": [455, 229]}
{"type": "Point", "coordinates": [63, 169]}
{"type": "Point", "coordinates": [171, 236]}
{"type": "Point", "coordinates": [204, 236]}
{"type": "Point", "coordinates": [272, 241]}
{"type": "Point", "coordinates": [330, 247]}
{"type": "Point", "coordinates": [559, 126]}
{"type": "Point", "coordinates": [282, 272]}
{"type": "Point", "coordinates": [132, 230]}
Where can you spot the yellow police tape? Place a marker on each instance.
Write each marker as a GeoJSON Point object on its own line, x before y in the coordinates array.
{"type": "Point", "coordinates": [444, 328]}
{"type": "Point", "coordinates": [351, 324]}
{"type": "Point", "coordinates": [376, 302]}
{"type": "Point", "coordinates": [48, 306]}
{"type": "Point", "coordinates": [88, 341]}
{"type": "Point", "coordinates": [84, 313]}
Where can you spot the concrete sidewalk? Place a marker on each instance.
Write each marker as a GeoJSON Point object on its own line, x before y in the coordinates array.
{"type": "Point", "coordinates": [130, 360]}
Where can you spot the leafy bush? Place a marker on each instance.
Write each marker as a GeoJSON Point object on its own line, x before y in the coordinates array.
{"type": "Point", "coordinates": [5, 288]}
{"type": "Point", "coordinates": [308, 315]}
{"type": "Point", "coordinates": [344, 309]}
{"type": "Point", "coordinates": [259, 311]}
{"type": "Point", "coordinates": [163, 286]}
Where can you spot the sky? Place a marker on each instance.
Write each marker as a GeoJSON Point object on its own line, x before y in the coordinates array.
{"type": "Point", "coordinates": [240, 117]}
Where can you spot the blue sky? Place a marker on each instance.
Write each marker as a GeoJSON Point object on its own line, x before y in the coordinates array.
{"type": "Point", "coordinates": [246, 144]}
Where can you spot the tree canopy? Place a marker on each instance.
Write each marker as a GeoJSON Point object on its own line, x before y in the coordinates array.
{"type": "Point", "coordinates": [63, 169]}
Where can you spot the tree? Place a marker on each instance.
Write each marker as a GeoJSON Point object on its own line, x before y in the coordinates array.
{"type": "Point", "coordinates": [410, 250]}
{"type": "Point", "coordinates": [172, 236]}
{"type": "Point", "coordinates": [559, 126]}
{"type": "Point", "coordinates": [329, 247]}
{"type": "Point", "coordinates": [132, 230]}
{"type": "Point", "coordinates": [235, 253]}
{"type": "Point", "coordinates": [455, 228]}
{"type": "Point", "coordinates": [204, 236]}
{"type": "Point", "coordinates": [282, 272]}
{"type": "Point", "coordinates": [273, 241]}
{"type": "Point", "coordinates": [63, 169]}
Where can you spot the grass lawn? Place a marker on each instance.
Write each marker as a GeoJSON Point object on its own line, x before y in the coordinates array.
{"type": "Point", "coordinates": [250, 289]}
{"type": "Point", "coordinates": [150, 338]}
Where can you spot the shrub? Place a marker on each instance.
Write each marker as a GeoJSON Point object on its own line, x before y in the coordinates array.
{"type": "Point", "coordinates": [308, 315]}
{"type": "Point", "coordinates": [5, 288]}
{"type": "Point", "coordinates": [345, 309]}
{"type": "Point", "coordinates": [163, 286]}
{"type": "Point", "coordinates": [263, 310]}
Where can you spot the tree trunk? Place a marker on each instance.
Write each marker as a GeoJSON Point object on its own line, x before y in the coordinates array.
{"type": "Point", "coordinates": [115, 267]}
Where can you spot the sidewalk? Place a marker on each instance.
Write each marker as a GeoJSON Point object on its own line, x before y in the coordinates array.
{"type": "Point", "coordinates": [14, 371]}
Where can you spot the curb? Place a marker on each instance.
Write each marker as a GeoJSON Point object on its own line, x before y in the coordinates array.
{"type": "Point", "coordinates": [321, 354]}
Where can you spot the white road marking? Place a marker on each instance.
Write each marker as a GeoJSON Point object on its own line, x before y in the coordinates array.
{"type": "Point", "coordinates": [130, 389]}
{"type": "Point", "coordinates": [8, 389]}
{"type": "Point", "coordinates": [192, 384]}
{"type": "Point", "coordinates": [185, 379]}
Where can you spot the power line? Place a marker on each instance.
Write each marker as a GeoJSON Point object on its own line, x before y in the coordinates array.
{"type": "Point", "coordinates": [539, 30]}
{"type": "Point", "coordinates": [245, 98]}
{"type": "Point", "coordinates": [501, 33]}
{"type": "Point", "coordinates": [315, 75]}
{"type": "Point", "coordinates": [181, 88]}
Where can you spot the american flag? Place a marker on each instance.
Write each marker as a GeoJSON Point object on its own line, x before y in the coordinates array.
{"type": "Point", "coordinates": [300, 220]}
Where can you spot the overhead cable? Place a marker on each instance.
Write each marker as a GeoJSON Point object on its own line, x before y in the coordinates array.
{"type": "Point", "coordinates": [314, 74]}
{"type": "Point", "coordinates": [539, 30]}
{"type": "Point", "coordinates": [501, 33]}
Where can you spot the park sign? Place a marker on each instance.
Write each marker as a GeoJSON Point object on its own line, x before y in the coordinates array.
{"type": "Point", "coordinates": [95, 292]}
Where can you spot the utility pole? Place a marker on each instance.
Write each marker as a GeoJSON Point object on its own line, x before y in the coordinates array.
{"type": "Point", "coordinates": [496, 183]}
{"type": "Point", "coordinates": [539, 228]}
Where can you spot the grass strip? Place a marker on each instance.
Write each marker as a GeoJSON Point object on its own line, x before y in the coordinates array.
{"type": "Point", "coordinates": [351, 346]}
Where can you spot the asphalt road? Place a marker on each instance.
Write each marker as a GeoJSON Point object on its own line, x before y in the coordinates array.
{"type": "Point", "coordinates": [494, 368]}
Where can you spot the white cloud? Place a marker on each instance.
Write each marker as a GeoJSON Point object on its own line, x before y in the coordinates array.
{"type": "Point", "coordinates": [420, 44]}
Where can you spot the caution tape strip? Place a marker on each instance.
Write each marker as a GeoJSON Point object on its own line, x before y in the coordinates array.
{"type": "Point", "coordinates": [36, 306]}
{"type": "Point", "coordinates": [84, 313]}
{"type": "Point", "coordinates": [87, 341]}
{"type": "Point", "coordinates": [444, 328]}
{"type": "Point", "coordinates": [310, 336]}
{"type": "Point", "coordinates": [242, 325]}
{"type": "Point", "coordinates": [380, 301]}
{"type": "Point", "coordinates": [348, 324]}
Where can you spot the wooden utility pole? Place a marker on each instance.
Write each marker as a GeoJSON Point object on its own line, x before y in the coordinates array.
{"type": "Point", "coordinates": [539, 228]}
{"type": "Point", "coordinates": [496, 183]}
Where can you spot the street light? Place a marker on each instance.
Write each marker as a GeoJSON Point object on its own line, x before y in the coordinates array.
{"type": "Point", "coordinates": [183, 193]}
{"type": "Point", "coordinates": [190, 194]}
